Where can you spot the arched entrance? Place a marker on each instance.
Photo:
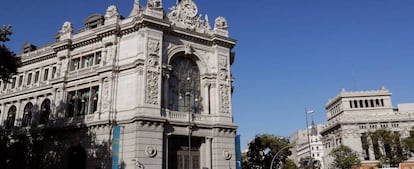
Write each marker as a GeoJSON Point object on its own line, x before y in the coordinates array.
{"type": "Point", "coordinates": [76, 157]}
{"type": "Point", "coordinates": [27, 115]}
{"type": "Point", "coordinates": [11, 117]}
{"type": "Point", "coordinates": [44, 111]}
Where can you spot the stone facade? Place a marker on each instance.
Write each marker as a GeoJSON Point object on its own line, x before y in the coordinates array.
{"type": "Point", "coordinates": [302, 148]}
{"type": "Point", "coordinates": [163, 78]}
{"type": "Point", "coordinates": [351, 115]}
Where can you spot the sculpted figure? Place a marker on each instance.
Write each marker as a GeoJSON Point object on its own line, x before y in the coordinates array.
{"type": "Point", "coordinates": [66, 28]}
{"type": "Point", "coordinates": [154, 4]}
{"type": "Point", "coordinates": [220, 23]}
{"type": "Point", "coordinates": [112, 11]}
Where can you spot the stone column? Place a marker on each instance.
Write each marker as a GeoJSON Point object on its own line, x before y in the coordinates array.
{"type": "Point", "coordinates": [2, 109]}
{"type": "Point", "coordinates": [208, 152]}
{"type": "Point", "coordinates": [18, 108]}
{"type": "Point", "coordinates": [100, 95]}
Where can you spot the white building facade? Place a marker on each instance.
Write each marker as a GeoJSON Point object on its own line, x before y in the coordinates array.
{"type": "Point", "coordinates": [352, 115]}
{"type": "Point", "coordinates": [305, 146]}
{"type": "Point", "coordinates": [163, 78]}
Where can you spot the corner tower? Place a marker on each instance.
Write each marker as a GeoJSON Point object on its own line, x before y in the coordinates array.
{"type": "Point", "coordinates": [154, 86]}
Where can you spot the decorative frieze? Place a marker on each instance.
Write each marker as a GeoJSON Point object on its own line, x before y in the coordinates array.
{"type": "Point", "coordinates": [153, 72]}
{"type": "Point", "coordinates": [225, 98]}
{"type": "Point", "coordinates": [106, 93]}
{"type": "Point", "coordinates": [152, 87]}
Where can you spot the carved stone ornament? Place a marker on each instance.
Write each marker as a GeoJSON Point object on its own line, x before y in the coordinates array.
{"type": "Point", "coordinates": [152, 87]}
{"type": "Point", "coordinates": [220, 23]}
{"type": "Point", "coordinates": [105, 94]}
{"type": "Point", "coordinates": [153, 72]}
{"type": "Point", "coordinates": [151, 151]}
{"type": "Point", "coordinates": [222, 74]}
{"type": "Point", "coordinates": [225, 98]}
{"type": "Point", "coordinates": [154, 4]}
{"type": "Point", "coordinates": [227, 155]}
{"type": "Point", "coordinates": [185, 15]}
{"type": "Point", "coordinates": [154, 47]}
{"type": "Point", "coordinates": [136, 9]}
{"type": "Point", "coordinates": [111, 12]}
{"type": "Point", "coordinates": [223, 62]}
{"type": "Point", "coordinates": [66, 28]}
{"type": "Point", "coordinates": [188, 49]}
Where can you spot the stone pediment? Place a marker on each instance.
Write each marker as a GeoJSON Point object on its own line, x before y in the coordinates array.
{"type": "Point", "coordinates": [185, 15]}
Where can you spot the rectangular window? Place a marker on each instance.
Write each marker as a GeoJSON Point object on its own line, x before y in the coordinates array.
{"type": "Point", "coordinates": [83, 101]}
{"type": "Point", "coordinates": [37, 76]}
{"type": "Point", "coordinates": [74, 65]}
{"type": "Point", "coordinates": [87, 61]}
{"type": "Point", "coordinates": [13, 83]}
{"type": "Point", "coordinates": [20, 80]}
{"type": "Point", "coordinates": [46, 74]}
{"type": "Point", "coordinates": [97, 58]}
{"type": "Point", "coordinates": [4, 85]}
{"type": "Point", "coordinates": [53, 72]}
{"type": "Point", "coordinates": [29, 78]}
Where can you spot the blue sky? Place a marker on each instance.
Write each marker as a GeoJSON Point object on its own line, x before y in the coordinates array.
{"type": "Point", "coordinates": [291, 54]}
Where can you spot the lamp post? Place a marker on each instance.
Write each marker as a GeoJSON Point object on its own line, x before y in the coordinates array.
{"type": "Point", "coordinates": [307, 132]}
{"type": "Point", "coordinates": [188, 94]}
{"type": "Point", "coordinates": [274, 157]}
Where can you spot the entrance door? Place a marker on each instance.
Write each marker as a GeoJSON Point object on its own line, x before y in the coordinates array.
{"type": "Point", "coordinates": [182, 159]}
{"type": "Point", "coordinates": [178, 156]}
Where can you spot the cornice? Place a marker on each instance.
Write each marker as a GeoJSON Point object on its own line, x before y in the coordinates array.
{"type": "Point", "coordinates": [27, 91]}
{"type": "Point", "coordinates": [38, 59]}
{"type": "Point", "coordinates": [351, 94]}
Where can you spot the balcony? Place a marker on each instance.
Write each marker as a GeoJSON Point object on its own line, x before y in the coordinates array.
{"type": "Point", "coordinates": [183, 116]}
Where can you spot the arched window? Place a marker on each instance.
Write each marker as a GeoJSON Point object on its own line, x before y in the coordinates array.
{"type": "Point", "coordinates": [44, 111]}
{"type": "Point", "coordinates": [11, 116]}
{"type": "Point", "coordinates": [27, 115]}
{"type": "Point", "coordinates": [184, 85]}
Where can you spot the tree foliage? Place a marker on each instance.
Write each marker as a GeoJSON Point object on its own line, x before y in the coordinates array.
{"type": "Point", "coordinates": [408, 143]}
{"type": "Point", "coordinates": [289, 164]}
{"type": "Point", "coordinates": [344, 157]}
{"type": "Point", "coordinates": [8, 60]}
{"type": "Point", "coordinates": [262, 150]}
{"type": "Point", "coordinates": [393, 147]}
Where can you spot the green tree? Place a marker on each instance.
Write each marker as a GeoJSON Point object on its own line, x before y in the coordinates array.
{"type": "Point", "coordinates": [289, 164]}
{"type": "Point", "coordinates": [262, 150]}
{"type": "Point", "coordinates": [344, 157]}
{"type": "Point", "coordinates": [408, 143]}
{"type": "Point", "coordinates": [392, 145]}
{"type": "Point", "coordinates": [8, 60]}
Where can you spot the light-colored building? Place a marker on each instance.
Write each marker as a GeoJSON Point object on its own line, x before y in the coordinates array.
{"type": "Point", "coordinates": [305, 146]}
{"type": "Point", "coordinates": [353, 114]}
{"type": "Point", "coordinates": [151, 89]}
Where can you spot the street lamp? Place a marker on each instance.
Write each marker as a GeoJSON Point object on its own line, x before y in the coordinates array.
{"type": "Point", "coordinates": [190, 92]}
{"type": "Point", "coordinates": [307, 131]}
{"type": "Point", "coordinates": [274, 157]}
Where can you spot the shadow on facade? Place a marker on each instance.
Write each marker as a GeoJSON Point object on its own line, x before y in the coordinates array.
{"type": "Point", "coordinates": [37, 142]}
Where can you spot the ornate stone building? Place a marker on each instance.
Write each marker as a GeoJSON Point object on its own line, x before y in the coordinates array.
{"type": "Point", "coordinates": [163, 80]}
{"type": "Point", "coordinates": [352, 115]}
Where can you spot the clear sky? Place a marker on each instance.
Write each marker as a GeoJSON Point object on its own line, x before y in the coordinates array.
{"type": "Point", "coordinates": [291, 54]}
